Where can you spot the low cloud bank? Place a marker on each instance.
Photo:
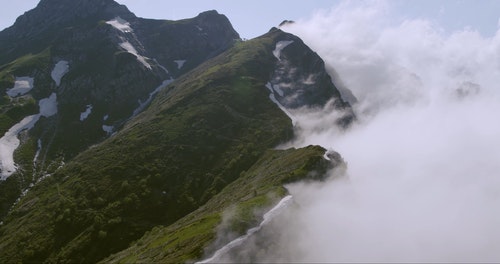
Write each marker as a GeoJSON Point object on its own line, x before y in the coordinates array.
{"type": "Point", "coordinates": [423, 178]}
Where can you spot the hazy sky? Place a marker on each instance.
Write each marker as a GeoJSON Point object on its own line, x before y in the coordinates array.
{"type": "Point", "coordinates": [253, 18]}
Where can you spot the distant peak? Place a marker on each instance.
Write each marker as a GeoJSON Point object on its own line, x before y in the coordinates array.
{"type": "Point", "coordinates": [53, 13]}
{"type": "Point", "coordinates": [286, 23]}
{"type": "Point", "coordinates": [74, 4]}
{"type": "Point", "coordinates": [209, 13]}
{"type": "Point", "coordinates": [280, 35]}
{"type": "Point", "coordinates": [71, 9]}
{"type": "Point", "coordinates": [213, 20]}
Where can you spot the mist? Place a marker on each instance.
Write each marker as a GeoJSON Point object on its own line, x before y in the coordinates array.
{"type": "Point", "coordinates": [423, 176]}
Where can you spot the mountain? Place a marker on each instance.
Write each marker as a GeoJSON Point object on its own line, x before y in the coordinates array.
{"type": "Point", "coordinates": [103, 64]}
{"type": "Point", "coordinates": [129, 128]}
{"type": "Point", "coordinates": [115, 59]}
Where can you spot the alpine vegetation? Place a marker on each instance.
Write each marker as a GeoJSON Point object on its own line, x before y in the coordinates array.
{"type": "Point", "coordinates": [349, 136]}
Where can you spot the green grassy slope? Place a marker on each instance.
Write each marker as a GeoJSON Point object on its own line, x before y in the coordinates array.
{"type": "Point", "coordinates": [100, 74]}
{"type": "Point", "coordinates": [255, 191]}
{"type": "Point", "coordinates": [197, 136]}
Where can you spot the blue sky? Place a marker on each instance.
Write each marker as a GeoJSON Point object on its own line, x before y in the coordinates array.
{"type": "Point", "coordinates": [253, 18]}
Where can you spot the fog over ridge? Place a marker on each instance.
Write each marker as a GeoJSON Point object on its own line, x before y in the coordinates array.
{"type": "Point", "coordinates": [423, 178]}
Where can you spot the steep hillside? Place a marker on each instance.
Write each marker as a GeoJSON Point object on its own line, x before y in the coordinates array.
{"type": "Point", "coordinates": [241, 204]}
{"type": "Point", "coordinates": [100, 65]}
{"type": "Point", "coordinates": [113, 61]}
{"type": "Point", "coordinates": [114, 126]}
{"type": "Point", "coordinates": [201, 133]}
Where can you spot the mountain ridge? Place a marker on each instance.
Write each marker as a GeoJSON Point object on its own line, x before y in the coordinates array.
{"type": "Point", "coordinates": [207, 119]}
{"type": "Point", "coordinates": [107, 72]}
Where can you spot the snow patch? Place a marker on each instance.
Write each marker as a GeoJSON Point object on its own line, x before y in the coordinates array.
{"type": "Point", "coordinates": [270, 87]}
{"type": "Point", "coordinates": [280, 46]}
{"type": "Point", "coordinates": [84, 115]}
{"type": "Point", "coordinates": [131, 49]}
{"type": "Point", "coordinates": [22, 86]}
{"type": "Point", "coordinates": [143, 105]}
{"type": "Point", "coordinates": [273, 98]}
{"type": "Point", "coordinates": [277, 89]}
{"type": "Point", "coordinates": [199, 28]}
{"type": "Point", "coordinates": [161, 66]}
{"type": "Point", "coordinates": [120, 24]}
{"type": "Point", "coordinates": [180, 63]}
{"type": "Point", "coordinates": [240, 240]}
{"type": "Point", "coordinates": [310, 80]}
{"type": "Point", "coordinates": [9, 142]}
{"type": "Point", "coordinates": [325, 156]}
{"type": "Point", "coordinates": [60, 69]}
{"type": "Point", "coordinates": [38, 150]}
{"type": "Point", "coordinates": [108, 129]}
{"type": "Point", "coordinates": [48, 106]}
{"type": "Point", "coordinates": [104, 118]}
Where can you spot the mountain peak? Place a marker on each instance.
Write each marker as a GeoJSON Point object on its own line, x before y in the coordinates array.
{"type": "Point", "coordinates": [213, 19]}
{"type": "Point", "coordinates": [56, 13]}
{"type": "Point", "coordinates": [286, 22]}
{"type": "Point", "coordinates": [209, 13]}
{"type": "Point", "coordinates": [84, 6]}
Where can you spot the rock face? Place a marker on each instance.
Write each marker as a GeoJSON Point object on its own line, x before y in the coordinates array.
{"type": "Point", "coordinates": [197, 39]}
{"type": "Point", "coordinates": [300, 78]}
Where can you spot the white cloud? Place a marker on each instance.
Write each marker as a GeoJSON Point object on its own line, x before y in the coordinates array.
{"type": "Point", "coordinates": [423, 170]}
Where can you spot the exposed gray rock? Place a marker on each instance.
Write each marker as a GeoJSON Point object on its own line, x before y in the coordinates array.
{"type": "Point", "coordinates": [301, 80]}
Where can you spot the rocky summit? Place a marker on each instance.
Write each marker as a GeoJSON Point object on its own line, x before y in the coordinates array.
{"type": "Point", "coordinates": [125, 138]}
